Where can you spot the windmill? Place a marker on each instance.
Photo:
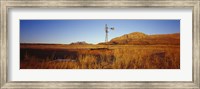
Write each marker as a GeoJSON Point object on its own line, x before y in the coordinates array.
{"type": "Point", "coordinates": [107, 30]}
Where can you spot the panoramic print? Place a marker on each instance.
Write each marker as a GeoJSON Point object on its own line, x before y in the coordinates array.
{"type": "Point", "coordinates": [100, 44]}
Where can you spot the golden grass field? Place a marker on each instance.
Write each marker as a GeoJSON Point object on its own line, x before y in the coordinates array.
{"type": "Point", "coordinates": [43, 56]}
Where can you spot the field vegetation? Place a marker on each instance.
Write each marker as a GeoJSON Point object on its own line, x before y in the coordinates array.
{"type": "Point", "coordinates": [58, 56]}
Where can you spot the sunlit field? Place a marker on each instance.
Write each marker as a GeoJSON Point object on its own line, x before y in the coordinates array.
{"type": "Point", "coordinates": [60, 56]}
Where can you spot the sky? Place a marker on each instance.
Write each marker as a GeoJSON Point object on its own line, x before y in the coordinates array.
{"type": "Point", "coordinates": [90, 31]}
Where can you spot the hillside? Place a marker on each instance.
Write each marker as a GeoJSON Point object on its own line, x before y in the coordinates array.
{"type": "Point", "coordinates": [138, 38]}
{"type": "Point", "coordinates": [79, 43]}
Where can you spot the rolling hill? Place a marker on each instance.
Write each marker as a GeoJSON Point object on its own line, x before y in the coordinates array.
{"type": "Point", "coordinates": [139, 38]}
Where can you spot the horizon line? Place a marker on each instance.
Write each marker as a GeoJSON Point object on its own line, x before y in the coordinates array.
{"type": "Point", "coordinates": [86, 41]}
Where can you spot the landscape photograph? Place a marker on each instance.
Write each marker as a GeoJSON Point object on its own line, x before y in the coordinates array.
{"type": "Point", "coordinates": [100, 44]}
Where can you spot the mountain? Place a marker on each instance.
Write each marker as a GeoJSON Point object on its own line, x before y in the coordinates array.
{"type": "Point", "coordinates": [79, 43]}
{"type": "Point", "coordinates": [139, 38]}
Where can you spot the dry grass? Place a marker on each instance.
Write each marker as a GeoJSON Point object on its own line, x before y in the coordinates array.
{"type": "Point", "coordinates": [118, 57]}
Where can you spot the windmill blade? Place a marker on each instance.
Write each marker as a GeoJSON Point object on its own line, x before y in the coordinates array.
{"type": "Point", "coordinates": [112, 28]}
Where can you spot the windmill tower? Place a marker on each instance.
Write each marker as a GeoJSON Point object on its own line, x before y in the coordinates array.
{"type": "Point", "coordinates": [107, 30]}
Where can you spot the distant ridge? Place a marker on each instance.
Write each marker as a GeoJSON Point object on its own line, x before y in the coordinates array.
{"type": "Point", "coordinates": [80, 43]}
{"type": "Point", "coordinates": [139, 38]}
